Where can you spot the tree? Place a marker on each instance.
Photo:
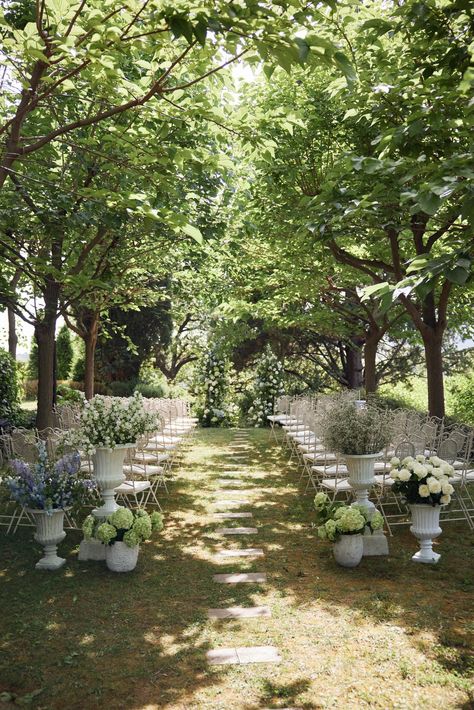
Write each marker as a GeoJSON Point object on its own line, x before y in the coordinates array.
{"type": "Point", "coordinates": [64, 353]}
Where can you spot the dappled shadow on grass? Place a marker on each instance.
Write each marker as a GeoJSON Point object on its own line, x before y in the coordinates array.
{"type": "Point", "coordinates": [140, 639]}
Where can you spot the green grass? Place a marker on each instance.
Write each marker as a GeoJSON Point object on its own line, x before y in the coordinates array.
{"type": "Point", "coordinates": [388, 634]}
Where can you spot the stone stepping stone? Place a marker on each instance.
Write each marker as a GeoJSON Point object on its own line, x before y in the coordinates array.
{"type": "Point", "coordinates": [230, 482]}
{"type": "Point", "coordinates": [232, 501]}
{"type": "Point", "coordinates": [239, 612]}
{"type": "Point", "coordinates": [233, 515]}
{"type": "Point", "coordinates": [240, 577]}
{"type": "Point", "coordinates": [237, 492]}
{"type": "Point", "coordinates": [244, 552]}
{"type": "Point", "coordinates": [242, 656]}
{"type": "Point", "coordinates": [236, 531]}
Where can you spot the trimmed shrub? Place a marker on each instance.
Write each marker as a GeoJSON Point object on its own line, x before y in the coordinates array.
{"type": "Point", "coordinates": [64, 353]}
{"type": "Point", "coordinates": [31, 389]}
{"type": "Point", "coordinates": [150, 391]}
{"type": "Point", "coordinates": [121, 389]}
{"type": "Point", "coordinates": [79, 369]}
{"type": "Point", "coordinates": [9, 387]}
{"type": "Point", "coordinates": [32, 369]}
{"type": "Point", "coordinates": [68, 395]}
{"type": "Point", "coordinates": [460, 398]}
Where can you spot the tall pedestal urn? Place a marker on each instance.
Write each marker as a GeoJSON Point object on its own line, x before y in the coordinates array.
{"type": "Point", "coordinates": [108, 472]}
{"type": "Point", "coordinates": [361, 477]}
{"type": "Point", "coordinates": [49, 533]}
{"type": "Point", "coordinates": [425, 527]}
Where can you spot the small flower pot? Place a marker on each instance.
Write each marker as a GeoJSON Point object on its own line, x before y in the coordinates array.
{"type": "Point", "coordinates": [49, 533]}
{"type": "Point", "coordinates": [425, 527]}
{"type": "Point", "coordinates": [119, 557]}
{"type": "Point", "coordinates": [348, 550]}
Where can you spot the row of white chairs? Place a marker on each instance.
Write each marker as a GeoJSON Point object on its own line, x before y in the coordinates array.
{"type": "Point", "coordinates": [148, 467]}
{"type": "Point", "coordinates": [412, 434]}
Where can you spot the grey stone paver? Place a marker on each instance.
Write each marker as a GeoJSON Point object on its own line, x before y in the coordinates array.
{"type": "Point", "coordinates": [239, 612]}
{"type": "Point", "coordinates": [222, 656]}
{"type": "Point", "coordinates": [233, 515]}
{"type": "Point", "coordinates": [230, 482]}
{"type": "Point", "coordinates": [232, 501]}
{"type": "Point", "coordinates": [243, 552]}
{"type": "Point", "coordinates": [236, 492]}
{"type": "Point", "coordinates": [236, 531]}
{"type": "Point", "coordinates": [240, 577]}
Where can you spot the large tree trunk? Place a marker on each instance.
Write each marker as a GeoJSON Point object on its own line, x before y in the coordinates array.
{"type": "Point", "coordinates": [91, 322]}
{"type": "Point", "coordinates": [433, 343]}
{"type": "Point", "coordinates": [354, 368]}
{"type": "Point", "coordinates": [370, 363]}
{"type": "Point", "coordinates": [12, 336]}
{"type": "Point", "coordinates": [45, 333]}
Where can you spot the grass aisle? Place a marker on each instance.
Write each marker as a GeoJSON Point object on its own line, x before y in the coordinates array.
{"type": "Point", "coordinates": [389, 634]}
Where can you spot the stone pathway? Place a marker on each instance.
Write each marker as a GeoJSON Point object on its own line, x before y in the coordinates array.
{"type": "Point", "coordinates": [256, 654]}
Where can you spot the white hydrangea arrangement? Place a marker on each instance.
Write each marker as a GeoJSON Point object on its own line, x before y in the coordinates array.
{"type": "Point", "coordinates": [422, 479]}
{"type": "Point", "coordinates": [110, 421]}
{"type": "Point", "coordinates": [268, 386]}
{"type": "Point", "coordinates": [336, 519]}
{"type": "Point", "coordinates": [126, 526]}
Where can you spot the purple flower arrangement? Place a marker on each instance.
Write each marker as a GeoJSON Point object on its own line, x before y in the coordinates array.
{"type": "Point", "coordinates": [47, 485]}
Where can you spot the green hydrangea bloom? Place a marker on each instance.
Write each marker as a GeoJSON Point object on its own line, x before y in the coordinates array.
{"type": "Point", "coordinates": [88, 527]}
{"type": "Point", "coordinates": [106, 533]}
{"type": "Point", "coordinates": [131, 538]}
{"type": "Point", "coordinates": [376, 522]}
{"type": "Point", "coordinates": [322, 532]}
{"type": "Point", "coordinates": [320, 501]}
{"type": "Point", "coordinates": [331, 529]}
{"type": "Point", "coordinates": [142, 527]}
{"type": "Point", "coordinates": [121, 519]}
{"type": "Point", "coordinates": [156, 521]}
{"type": "Point", "coordinates": [349, 520]}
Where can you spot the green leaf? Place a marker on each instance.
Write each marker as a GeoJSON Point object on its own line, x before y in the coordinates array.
{"type": "Point", "coordinates": [181, 27]}
{"type": "Point", "coordinates": [458, 275]}
{"type": "Point", "coordinates": [200, 32]}
{"type": "Point", "coordinates": [193, 232]}
{"type": "Point", "coordinates": [345, 66]}
{"type": "Point", "coordinates": [429, 202]}
{"type": "Point", "coordinates": [303, 49]}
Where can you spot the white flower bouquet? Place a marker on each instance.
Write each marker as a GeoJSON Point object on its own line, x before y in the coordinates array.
{"type": "Point", "coordinates": [110, 421]}
{"type": "Point", "coordinates": [422, 479]}
{"type": "Point", "coordinates": [336, 519]}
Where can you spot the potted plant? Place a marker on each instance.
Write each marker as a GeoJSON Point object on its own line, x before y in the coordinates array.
{"type": "Point", "coordinates": [423, 483]}
{"type": "Point", "coordinates": [109, 426]}
{"type": "Point", "coordinates": [46, 489]}
{"type": "Point", "coordinates": [345, 525]}
{"type": "Point", "coordinates": [359, 434]}
{"type": "Point", "coordinates": [122, 533]}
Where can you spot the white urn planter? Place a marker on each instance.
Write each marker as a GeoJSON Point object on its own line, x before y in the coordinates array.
{"type": "Point", "coordinates": [360, 469]}
{"type": "Point", "coordinates": [108, 472]}
{"type": "Point", "coordinates": [348, 550]}
{"type": "Point", "coordinates": [361, 476]}
{"type": "Point", "coordinates": [49, 533]}
{"type": "Point", "coordinates": [119, 557]}
{"type": "Point", "coordinates": [425, 527]}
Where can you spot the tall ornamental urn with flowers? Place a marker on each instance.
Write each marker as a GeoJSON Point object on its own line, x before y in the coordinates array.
{"type": "Point", "coordinates": [108, 426]}
{"type": "Point", "coordinates": [121, 534]}
{"type": "Point", "coordinates": [345, 526]}
{"type": "Point", "coordinates": [359, 434]}
{"type": "Point", "coordinates": [47, 489]}
{"type": "Point", "coordinates": [423, 483]}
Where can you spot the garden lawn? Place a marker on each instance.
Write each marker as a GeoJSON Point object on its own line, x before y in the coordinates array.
{"type": "Point", "coordinates": [388, 634]}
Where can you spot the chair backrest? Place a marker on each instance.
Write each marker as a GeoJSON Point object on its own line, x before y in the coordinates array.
{"type": "Point", "coordinates": [404, 449]}
{"type": "Point", "coordinates": [448, 450]}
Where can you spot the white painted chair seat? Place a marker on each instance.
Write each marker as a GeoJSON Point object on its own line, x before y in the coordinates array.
{"type": "Point", "coordinates": [340, 470]}
{"type": "Point", "coordinates": [132, 487]}
{"type": "Point", "coordinates": [336, 484]}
